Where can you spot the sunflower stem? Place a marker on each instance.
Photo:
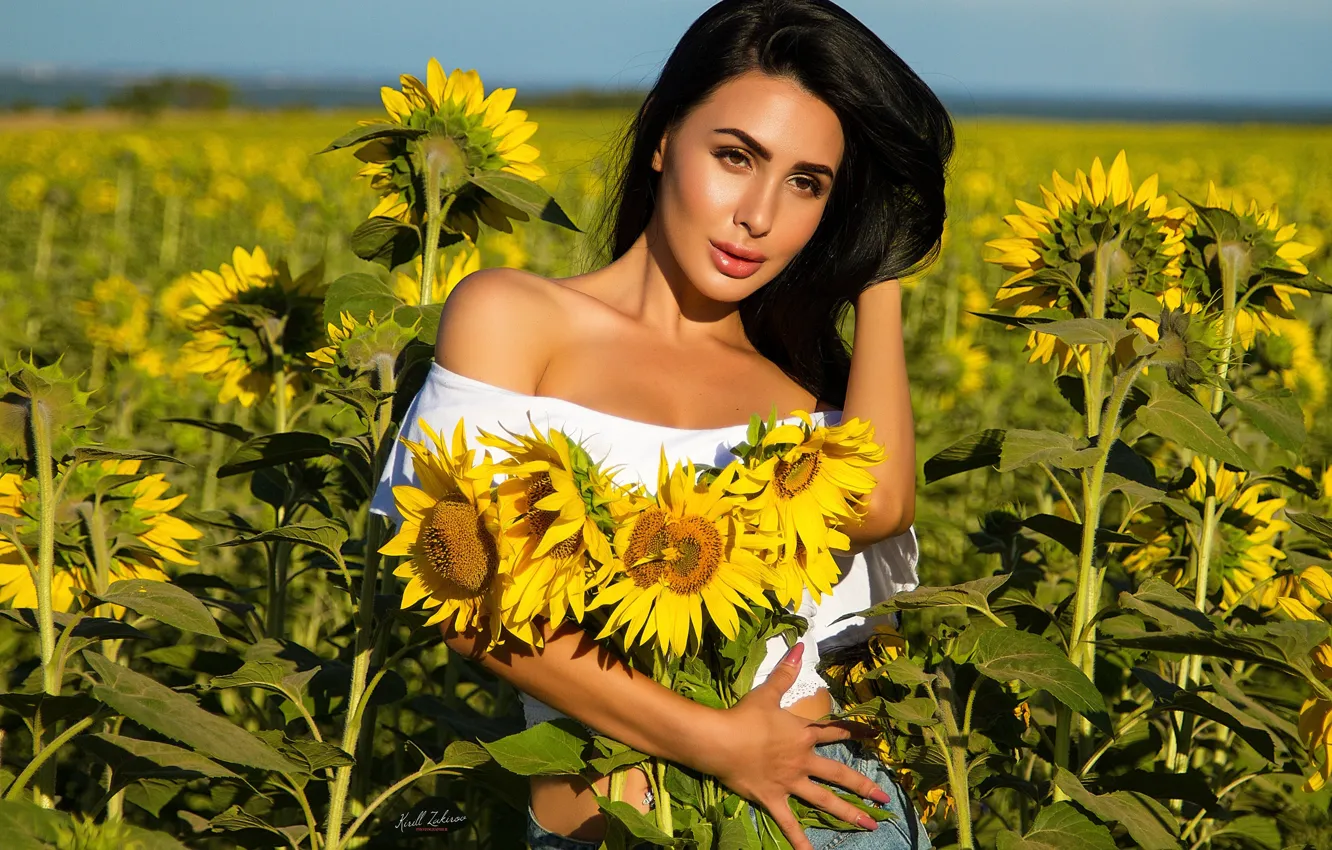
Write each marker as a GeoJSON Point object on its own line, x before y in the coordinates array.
{"type": "Point", "coordinates": [120, 231]}
{"type": "Point", "coordinates": [43, 756]}
{"type": "Point", "coordinates": [280, 394]}
{"type": "Point", "coordinates": [216, 442]}
{"type": "Point", "coordinates": [1191, 669]}
{"type": "Point", "coordinates": [434, 220]}
{"type": "Point", "coordinates": [170, 246]}
{"type": "Point", "coordinates": [377, 576]}
{"type": "Point", "coordinates": [952, 746]}
{"type": "Point", "coordinates": [663, 801]}
{"type": "Point", "coordinates": [351, 731]}
{"type": "Point", "coordinates": [41, 267]}
{"type": "Point", "coordinates": [1080, 646]}
{"type": "Point", "coordinates": [41, 439]}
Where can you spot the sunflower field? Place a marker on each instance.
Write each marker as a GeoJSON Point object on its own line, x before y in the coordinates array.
{"type": "Point", "coordinates": [212, 327]}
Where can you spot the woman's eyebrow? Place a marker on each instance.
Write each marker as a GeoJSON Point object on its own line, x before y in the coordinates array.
{"type": "Point", "coordinates": [759, 149]}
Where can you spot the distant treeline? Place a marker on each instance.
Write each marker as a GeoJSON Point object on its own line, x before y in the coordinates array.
{"type": "Point", "coordinates": [146, 96]}
{"type": "Point", "coordinates": [150, 96]}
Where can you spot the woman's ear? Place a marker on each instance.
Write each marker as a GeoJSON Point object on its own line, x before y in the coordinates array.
{"type": "Point", "coordinates": [659, 155]}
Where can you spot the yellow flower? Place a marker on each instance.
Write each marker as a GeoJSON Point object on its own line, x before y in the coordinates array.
{"type": "Point", "coordinates": [1315, 728]}
{"type": "Point", "coordinates": [488, 135]}
{"type": "Point", "coordinates": [1288, 252]}
{"type": "Point", "coordinates": [546, 512]}
{"type": "Point", "coordinates": [1151, 525]}
{"type": "Point", "coordinates": [687, 552]}
{"type": "Point", "coordinates": [1313, 601]}
{"type": "Point", "coordinates": [453, 267]}
{"type": "Point", "coordinates": [1049, 239]}
{"type": "Point", "coordinates": [116, 316]}
{"type": "Point", "coordinates": [961, 370]}
{"type": "Point", "coordinates": [450, 534]}
{"type": "Point", "coordinates": [1022, 712]}
{"type": "Point", "coordinates": [886, 643]}
{"type": "Point", "coordinates": [137, 519]}
{"type": "Point", "coordinates": [174, 298]}
{"type": "Point", "coordinates": [815, 480]}
{"type": "Point", "coordinates": [1290, 349]}
{"type": "Point", "coordinates": [1245, 534]}
{"type": "Point", "coordinates": [252, 323]}
{"type": "Point", "coordinates": [369, 347]}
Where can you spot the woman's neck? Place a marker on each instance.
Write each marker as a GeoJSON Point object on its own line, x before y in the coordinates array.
{"type": "Point", "coordinates": [647, 284]}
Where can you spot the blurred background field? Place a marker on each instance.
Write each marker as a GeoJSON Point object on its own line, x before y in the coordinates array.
{"type": "Point", "coordinates": [103, 215]}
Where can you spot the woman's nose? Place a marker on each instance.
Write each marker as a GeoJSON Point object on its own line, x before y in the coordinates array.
{"type": "Point", "coordinates": [757, 207]}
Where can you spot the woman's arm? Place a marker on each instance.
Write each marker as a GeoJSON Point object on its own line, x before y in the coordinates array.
{"type": "Point", "coordinates": [756, 748]}
{"type": "Point", "coordinates": [877, 390]}
{"type": "Point", "coordinates": [584, 679]}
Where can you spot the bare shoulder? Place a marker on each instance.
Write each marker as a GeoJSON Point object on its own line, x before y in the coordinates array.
{"type": "Point", "coordinates": [497, 326]}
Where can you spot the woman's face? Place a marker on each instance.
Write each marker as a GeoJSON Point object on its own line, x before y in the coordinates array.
{"type": "Point", "coordinates": [749, 171]}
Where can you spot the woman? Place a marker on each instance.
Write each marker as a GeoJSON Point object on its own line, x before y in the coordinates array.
{"type": "Point", "coordinates": [785, 165]}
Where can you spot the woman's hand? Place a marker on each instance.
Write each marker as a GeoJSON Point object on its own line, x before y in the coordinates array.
{"type": "Point", "coordinates": [765, 754]}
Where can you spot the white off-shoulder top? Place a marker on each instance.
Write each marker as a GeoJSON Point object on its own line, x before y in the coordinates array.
{"type": "Point", "coordinates": [869, 577]}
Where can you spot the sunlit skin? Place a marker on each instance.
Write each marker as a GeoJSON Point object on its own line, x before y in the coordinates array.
{"type": "Point", "coordinates": [656, 336]}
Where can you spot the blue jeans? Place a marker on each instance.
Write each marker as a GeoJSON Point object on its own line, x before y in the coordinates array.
{"type": "Point", "coordinates": [905, 832]}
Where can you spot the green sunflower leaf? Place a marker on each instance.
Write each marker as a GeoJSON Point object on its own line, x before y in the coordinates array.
{"type": "Point", "coordinates": [1059, 827]}
{"type": "Point", "coordinates": [1277, 414]}
{"type": "Point", "coordinates": [370, 132]}
{"type": "Point", "coordinates": [1004, 654]}
{"type": "Point", "coordinates": [164, 602]}
{"type": "Point", "coordinates": [525, 195]}
{"type": "Point", "coordinates": [386, 241]}
{"type": "Point", "coordinates": [550, 747]}
{"type": "Point", "coordinates": [973, 452]}
{"type": "Point", "coordinates": [1182, 420]}
{"type": "Point", "coordinates": [269, 450]}
{"type": "Point", "coordinates": [179, 717]}
{"type": "Point", "coordinates": [1147, 821]}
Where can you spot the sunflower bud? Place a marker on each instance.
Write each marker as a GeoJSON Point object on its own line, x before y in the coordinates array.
{"type": "Point", "coordinates": [1179, 350]}
{"type": "Point", "coordinates": [442, 153]}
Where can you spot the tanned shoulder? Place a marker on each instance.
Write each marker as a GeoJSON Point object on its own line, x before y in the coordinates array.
{"type": "Point", "coordinates": [496, 326]}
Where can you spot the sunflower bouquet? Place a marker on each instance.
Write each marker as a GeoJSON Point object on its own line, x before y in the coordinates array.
{"type": "Point", "coordinates": [688, 581]}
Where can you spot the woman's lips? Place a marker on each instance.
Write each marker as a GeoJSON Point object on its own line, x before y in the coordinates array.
{"type": "Point", "coordinates": [731, 265]}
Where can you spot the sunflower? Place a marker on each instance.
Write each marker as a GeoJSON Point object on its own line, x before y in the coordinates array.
{"type": "Point", "coordinates": [1099, 219]}
{"type": "Point", "coordinates": [453, 267]}
{"type": "Point", "coordinates": [1264, 255]}
{"type": "Point", "coordinates": [366, 347]}
{"type": "Point", "coordinates": [1290, 350]}
{"type": "Point", "coordinates": [685, 552]}
{"type": "Point", "coordinates": [1152, 526]}
{"type": "Point", "coordinates": [137, 518]}
{"type": "Point", "coordinates": [253, 323]}
{"type": "Point", "coordinates": [487, 134]}
{"type": "Point", "coordinates": [458, 561]}
{"type": "Point", "coordinates": [804, 482]}
{"type": "Point", "coordinates": [1246, 530]}
{"type": "Point", "coordinates": [552, 511]}
{"type": "Point", "coordinates": [1314, 602]}
{"type": "Point", "coordinates": [963, 368]}
{"type": "Point", "coordinates": [116, 317]}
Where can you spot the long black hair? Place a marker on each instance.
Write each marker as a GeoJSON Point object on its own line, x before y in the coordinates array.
{"type": "Point", "coordinates": [885, 213]}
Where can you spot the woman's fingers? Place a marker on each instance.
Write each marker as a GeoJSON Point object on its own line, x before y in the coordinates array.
{"type": "Point", "coordinates": [826, 731]}
{"type": "Point", "coordinates": [817, 795]}
{"type": "Point", "coordinates": [782, 815]}
{"type": "Point", "coordinates": [847, 777]}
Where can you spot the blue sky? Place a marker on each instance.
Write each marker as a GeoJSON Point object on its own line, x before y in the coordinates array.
{"type": "Point", "coordinates": [1209, 49]}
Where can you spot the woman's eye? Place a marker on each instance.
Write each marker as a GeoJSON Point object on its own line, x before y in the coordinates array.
{"type": "Point", "coordinates": [809, 184]}
{"type": "Point", "coordinates": [734, 156]}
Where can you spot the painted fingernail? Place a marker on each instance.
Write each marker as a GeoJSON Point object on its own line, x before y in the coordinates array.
{"type": "Point", "coordinates": [879, 795]}
{"type": "Point", "coordinates": [867, 821]}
